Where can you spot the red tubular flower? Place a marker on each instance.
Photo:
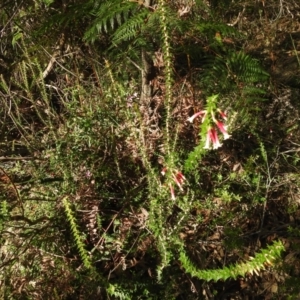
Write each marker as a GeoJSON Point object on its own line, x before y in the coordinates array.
{"type": "Point", "coordinates": [215, 139]}
{"type": "Point", "coordinates": [172, 192]}
{"type": "Point", "coordinates": [197, 114]}
{"type": "Point", "coordinates": [223, 129]}
{"type": "Point", "coordinates": [179, 179]}
{"type": "Point", "coordinates": [163, 171]}
{"type": "Point", "coordinates": [223, 115]}
{"type": "Point", "coordinates": [212, 137]}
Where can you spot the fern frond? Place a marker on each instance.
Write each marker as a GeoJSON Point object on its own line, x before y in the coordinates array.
{"type": "Point", "coordinates": [246, 68]}
{"type": "Point", "coordinates": [131, 28]}
{"type": "Point", "coordinates": [108, 15]}
{"type": "Point", "coordinates": [118, 292]}
{"type": "Point", "coordinates": [267, 257]}
{"type": "Point", "coordinates": [212, 28]}
{"type": "Point", "coordinates": [253, 90]}
{"type": "Point", "coordinates": [232, 70]}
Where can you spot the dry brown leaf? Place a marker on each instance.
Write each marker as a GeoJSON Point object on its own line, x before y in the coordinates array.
{"type": "Point", "coordinates": [221, 252]}
{"type": "Point", "coordinates": [243, 284]}
{"type": "Point", "coordinates": [215, 236]}
{"type": "Point", "coordinates": [274, 287]}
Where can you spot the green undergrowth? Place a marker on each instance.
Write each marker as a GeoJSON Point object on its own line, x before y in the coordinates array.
{"type": "Point", "coordinates": [115, 199]}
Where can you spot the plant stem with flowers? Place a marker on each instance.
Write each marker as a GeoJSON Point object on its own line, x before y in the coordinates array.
{"type": "Point", "coordinates": [176, 177]}
{"type": "Point", "coordinates": [212, 121]}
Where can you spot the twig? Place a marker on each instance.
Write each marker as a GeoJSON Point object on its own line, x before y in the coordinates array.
{"type": "Point", "coordinates": [238, 17]}
{"type": "Point", "coordinates": [9, 158]}
{"type": "Point", "coordinates": [15, 189]}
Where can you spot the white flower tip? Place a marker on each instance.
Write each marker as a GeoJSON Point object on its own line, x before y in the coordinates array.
{"type": "Point", "coordinates": [197, 114]}
{"type": "Point", "coordinates": [216, 146]}
{"type": "Point", "coordinates": [227, 136]}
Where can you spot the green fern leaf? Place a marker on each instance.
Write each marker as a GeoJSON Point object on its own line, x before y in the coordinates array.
{"type": "Point", "coordinates": [131, 28]}
{"type": "Point", "coordinates": [108, 15]}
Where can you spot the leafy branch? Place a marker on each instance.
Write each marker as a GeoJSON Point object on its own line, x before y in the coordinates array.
{"type": "Point", "coordinates": [267, 257]}
{"type": "Point", "coordinates": [76, 234]}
